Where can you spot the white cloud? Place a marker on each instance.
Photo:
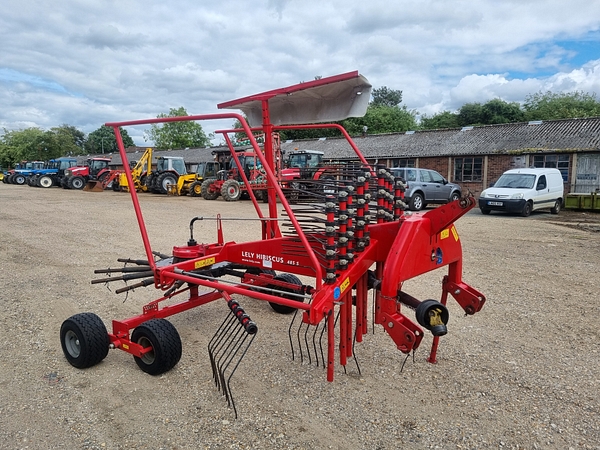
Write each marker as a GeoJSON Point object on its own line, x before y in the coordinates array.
{"type": "Point", "coordinates": [85, 63]}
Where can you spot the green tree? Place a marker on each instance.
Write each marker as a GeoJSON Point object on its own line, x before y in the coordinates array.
{"type": "Point", "coordinates": [177, 134]}
{"type": "Point", "coordinates": [382, 119]}
{"type": "Point", "coordinates": [470, 114]}
{"type": "Point", "coordinates": [70, 140]}
{"type": "Point", "coordinates": [498, 111]}
{"type": "Point", "coordinates": [444, 119]}
{"type": "Point", "coordinates": [103, 140]}
{"type": "Point", "coordinates": [28, 144]}
{"type": "Point", "coordinates": [384, 96]}
{"type": "Point", "coordinates": [549, 105]}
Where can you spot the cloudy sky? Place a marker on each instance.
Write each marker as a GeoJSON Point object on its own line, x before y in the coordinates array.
{"type": "Point", "coordinates": [84, 62]}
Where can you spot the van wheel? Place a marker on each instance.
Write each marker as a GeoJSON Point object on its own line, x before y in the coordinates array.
{"type": "Point", "coordinates": [556, 208]}
{"type": "Point", "coordinates": [526, 209]}
{"type": "Point", "coordinates": [485, 211]}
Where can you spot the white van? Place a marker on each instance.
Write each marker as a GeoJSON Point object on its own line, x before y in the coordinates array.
{"type": "Point", "coordinates": [524, 190]}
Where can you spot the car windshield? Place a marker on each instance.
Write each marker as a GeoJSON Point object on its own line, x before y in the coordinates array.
{"type": "Point", "coordinates": [515, 181]}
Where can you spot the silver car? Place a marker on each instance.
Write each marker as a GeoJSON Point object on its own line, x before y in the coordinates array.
{"type": "Point", "coordinates": [425, 186]}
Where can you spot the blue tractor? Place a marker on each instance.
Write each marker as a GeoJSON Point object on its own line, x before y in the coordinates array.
{"type": "Point", "coordinates": [52, 173]}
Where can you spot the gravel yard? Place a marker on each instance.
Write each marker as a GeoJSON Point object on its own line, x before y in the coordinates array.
{"type": "Point", "coordinates": [523, 373]}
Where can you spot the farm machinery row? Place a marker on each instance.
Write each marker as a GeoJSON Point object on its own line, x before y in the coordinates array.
{"type": "Point", "coordinates": [319, 260]}
{"type": "Point", "coordinates": [63, 172]}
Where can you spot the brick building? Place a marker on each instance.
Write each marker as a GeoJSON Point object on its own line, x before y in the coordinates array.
{"type": "Point", "coordinates": [472, 156]}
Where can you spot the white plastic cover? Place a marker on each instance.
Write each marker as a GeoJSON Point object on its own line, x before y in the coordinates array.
{"type": "Point", "coordinates": [329, 102]}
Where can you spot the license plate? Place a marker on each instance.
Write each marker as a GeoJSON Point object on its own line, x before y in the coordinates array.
{"type": "Point", "coordinates": [495, 203]}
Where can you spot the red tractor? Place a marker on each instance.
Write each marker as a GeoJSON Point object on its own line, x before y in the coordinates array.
{"type": "Point", "coordinates": [355, 240]}
{"type": "Point", "coordinates": [243, 173]}
{"type": "Point", "coordinates": [95, 169]}
{"type": "Point", "coordinates": [305, 175]}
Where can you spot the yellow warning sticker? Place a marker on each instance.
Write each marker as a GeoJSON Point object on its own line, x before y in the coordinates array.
{"type": "Point", "coordinates": [445, 233]}
{"type": "Point", "coordinates": [454, 233]}
{"type": "Point", "coordinates": [205, 262]}
{"type": "Point", "coordinates": [345, 284]}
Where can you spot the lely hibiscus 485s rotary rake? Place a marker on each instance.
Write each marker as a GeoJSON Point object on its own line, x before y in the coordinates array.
{"type": "Point", "coordinates": [349, 236]}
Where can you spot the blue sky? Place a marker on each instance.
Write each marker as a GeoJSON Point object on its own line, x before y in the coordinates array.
{"type": "Point", "coordinates": [84, 62]}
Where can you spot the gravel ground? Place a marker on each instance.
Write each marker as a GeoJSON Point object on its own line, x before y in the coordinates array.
{"type": "Point", "coordinates": [522, 374]}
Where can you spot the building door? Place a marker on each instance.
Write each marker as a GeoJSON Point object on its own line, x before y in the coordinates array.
{"type": "Point", "coordinates": [587, 178]}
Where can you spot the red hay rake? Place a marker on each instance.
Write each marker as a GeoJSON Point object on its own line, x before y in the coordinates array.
{"type": "Point", "coordinates": [349, 236]}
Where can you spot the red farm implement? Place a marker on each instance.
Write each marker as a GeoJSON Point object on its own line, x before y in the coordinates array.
{"type": "Point", "coordinates": [351, 238]}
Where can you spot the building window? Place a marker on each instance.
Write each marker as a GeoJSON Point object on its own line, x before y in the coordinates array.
{"type": "Point", "coordinates": [560, 162]}
{"type": "Point", "coordinates": [467, 169]}
{"type": "Point", "coordinates": [403, 162]}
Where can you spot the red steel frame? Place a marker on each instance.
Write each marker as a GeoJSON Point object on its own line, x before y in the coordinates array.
{"type": "Point", "coordinates": [400, 250]}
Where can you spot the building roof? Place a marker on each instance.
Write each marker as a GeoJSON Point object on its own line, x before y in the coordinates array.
{"type": "Point", "coordinates": [567, 135]}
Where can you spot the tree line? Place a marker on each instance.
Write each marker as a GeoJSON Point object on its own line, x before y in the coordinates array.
{"type": "Point", "coordinates": [385, 114]}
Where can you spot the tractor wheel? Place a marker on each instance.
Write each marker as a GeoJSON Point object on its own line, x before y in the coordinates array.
{"type": "Point", "coordinates": [150, 179]}
{"type": "Point", "coordinates": [231, 191]}
{"type": "Point", "coordinates": [163, 181]}
{"type": "Point", "coordinates": [262, 195]}
{"type": "Point", "coordinates": [31, 180]}
{"type": "Point", "coordinates": [65, 182]}
{"type": "Point", "coordinates": [163, 338]}
{"type": "Point", "coordinates": [416, 202]}
{"type": "Point", "coordinates": [19, 179]}
{"type": "Point", "coordinates": [294, 193]}
{"type": "Point", "coordinates": [206, 192]}
{"type": "Point", "coordinates": [84, 340]}
{"type": "Point", "coordinates": [288, 278]}
{"type": "Point", "coordinates": [196, 189]}
{"type": "Point", "coordinates": [44, 181]}
{"type": "Point", "coordinates": [76, 183]}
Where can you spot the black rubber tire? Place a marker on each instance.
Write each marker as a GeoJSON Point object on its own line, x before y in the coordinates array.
{"type": "Point", "coordinates": [44, 181]}
{"type": "Point", "coordinates": [231, 191]}
{"type": "Point", "coordinates": [162, 336]}
{"type": "Point", "coordinates": [264, 196]}
{"type": "Point", "coordinates": [65, 182]}
{"type": "Point", "coordinates": [417, 202]}
{"type": "Point", "coordinates": [163, 180]}
{"type": "Point", "coordinates": [84, 340]}
{"type": "Point", "coordinates": [206, 192]}
{"type": "Point", "coordinates": [455, 196]}
{"type": "Point", "coordinates": [526, 209]}
{"type": "Point", "coordinates": [288, 278]}
{"type": "Point", "coordinates": [556, 208]}
{"type": "Point", "coordinates": [76, 182]}
{"type": "Point", "coordinates": [196, 189]}
{"type": "Point", "coordinates": [485, 211]}
{"type": "Point", "coordinates": [19, 179]}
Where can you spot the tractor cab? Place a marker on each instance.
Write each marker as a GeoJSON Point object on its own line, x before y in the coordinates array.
{"type": "Point", "coordinates": [250, 165]}
{"type": "Point", "coordinates": [302, 165]}
{"type": "Point", "coordinates": [96, 165]}
{"type": "Point", "coordinates": [171, 164]}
